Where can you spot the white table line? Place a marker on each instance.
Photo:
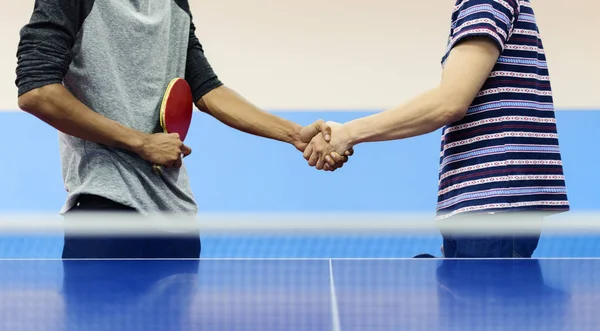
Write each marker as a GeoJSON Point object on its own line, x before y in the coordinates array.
{"type": "Point", "coordinates": [335, 314]}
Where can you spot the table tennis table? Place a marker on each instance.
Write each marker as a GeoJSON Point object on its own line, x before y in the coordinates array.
{"type": "Point", "coordinates": [300, 294]}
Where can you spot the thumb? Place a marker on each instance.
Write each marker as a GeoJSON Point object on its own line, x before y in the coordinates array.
{"type": "Point", "coordinates": [309, 131]}
{"type": "Point", "coordinates": [324, 129]}
{"type": "Point", "coordinates": [186, 150]}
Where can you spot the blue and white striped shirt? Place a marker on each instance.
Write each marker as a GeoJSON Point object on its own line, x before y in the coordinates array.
{"type": "Point", "coordinates": [504, 154]}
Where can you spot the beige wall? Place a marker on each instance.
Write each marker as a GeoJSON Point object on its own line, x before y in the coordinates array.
{"type": "Point", "coordinates": [348, 54]}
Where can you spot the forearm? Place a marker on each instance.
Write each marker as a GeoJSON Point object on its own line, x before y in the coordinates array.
{"type": "Point", "coordinates": [424, 114]}
{"type": "Point", "coordinates": [56, 106]}
{"type": "Point", "coordinates": [233, 110]}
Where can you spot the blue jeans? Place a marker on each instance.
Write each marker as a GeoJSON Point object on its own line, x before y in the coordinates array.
{"type": "Point", "coordinates": [491, 246]}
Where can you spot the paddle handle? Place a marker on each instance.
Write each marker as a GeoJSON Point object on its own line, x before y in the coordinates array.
{"type": "Point", "coordinates": [158, 169]}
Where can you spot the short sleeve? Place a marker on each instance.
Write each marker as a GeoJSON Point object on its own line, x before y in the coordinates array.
{"type": "Point", "coordinates": [198, 71]}
{"type": "Point", "coordinates": [493, 19]}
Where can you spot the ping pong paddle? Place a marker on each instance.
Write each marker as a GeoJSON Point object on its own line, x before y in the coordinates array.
{"type": "Point", "coordinates": [176, 111]}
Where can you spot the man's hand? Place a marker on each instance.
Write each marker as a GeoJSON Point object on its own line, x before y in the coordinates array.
{"type": "Point", "coordinates": [308, 132]}
{"type": "Point", "coordinates": [329, 154]}
{"type": "Point", "coordinates": [163, 149]}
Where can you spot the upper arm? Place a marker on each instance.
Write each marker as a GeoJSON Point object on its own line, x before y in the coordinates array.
{"type": "Point", "coordinates": [45, 47]}
{"type": "Point", "coordinates": [467, 68]}
{"type": "Point", "coordinates": [480, 31]}
{"type": "Point", "coordinates": [198, 72]}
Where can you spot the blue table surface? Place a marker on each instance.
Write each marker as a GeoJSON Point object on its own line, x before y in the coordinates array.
{"type": "Point", "coordinates": [311, 294]}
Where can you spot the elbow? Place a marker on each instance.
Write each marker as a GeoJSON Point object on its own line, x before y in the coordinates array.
{"type": "Point", "coordinates": [39, 101]}
{"type": "Point", "coordinates": [454, 113]}
{"type": "Point", "coordinates": [452, 105]}
{"type": "Point", "coordinates": [31, 101]}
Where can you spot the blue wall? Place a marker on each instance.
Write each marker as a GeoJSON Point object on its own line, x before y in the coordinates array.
{"type": "Point", "coordinates": [232, 171]}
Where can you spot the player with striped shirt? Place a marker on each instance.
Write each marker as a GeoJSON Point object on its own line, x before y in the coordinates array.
{"type": "Point", "coordinates": [499, 148]}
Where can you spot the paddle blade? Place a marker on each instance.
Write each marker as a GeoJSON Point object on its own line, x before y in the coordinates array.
{"type": "Point", "coordinates": [177, 108]}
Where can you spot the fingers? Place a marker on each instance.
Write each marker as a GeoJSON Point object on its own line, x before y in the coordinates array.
{"type": "Point", "coordinates": [311, 155]}
{"type": "Point", "coordinates": [313, 159]}
{"type": "Point", "coordinates": [329, 160]}
{"type": "Point", "coordinates": [319, 153]}
{"type": "Point", "coordinates": [324, 129]}
{"type": "Point", "coordinates": [179, 163]}
{"type": "Point", "coordinates": [334, 161]}
{"type": "Point", "coordinates": [171, 164]}
{"type": "Point", "coordinates": [321, 162]}
{"type": "Point", "coordinates": [308, 152]}
{"type": "Point", "coordinates": [349, 152]}
{"type": "Point", "coordinates": [186, 150]}
{"type": "Point", "coordinates": [163, 149]}
{"type": "Point", "coordinates": [337, 158]}
{"type": "Point", "coordinates": [333, 168]}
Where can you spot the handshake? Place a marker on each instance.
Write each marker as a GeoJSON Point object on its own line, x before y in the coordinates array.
{"type": "Point", "coordinates": [325, 145]}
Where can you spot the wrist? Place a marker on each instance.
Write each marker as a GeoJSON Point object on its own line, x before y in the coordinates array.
{"type": "Point", "coordinates": [348, 134]}
{"type": "Point", "coordinates": [294, 137]}
{"type": "Point", "coordinates": [133, 141]}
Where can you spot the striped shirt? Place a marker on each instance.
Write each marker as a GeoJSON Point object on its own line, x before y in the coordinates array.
{"type": "Point", "coordinates": [504, 154]}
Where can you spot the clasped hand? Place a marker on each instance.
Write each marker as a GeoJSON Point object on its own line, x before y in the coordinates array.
{"type": "Point", "coordinates": [328, 150]}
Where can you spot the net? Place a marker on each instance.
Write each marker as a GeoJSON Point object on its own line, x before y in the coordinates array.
{"type": "Point", "coordinates": [299, 272]}
{"type": "Point", "coordinates": [306, 235]}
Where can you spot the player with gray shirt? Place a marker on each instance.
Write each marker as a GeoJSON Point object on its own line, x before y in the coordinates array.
{"type": "Point", "coordinates": [96, 71]}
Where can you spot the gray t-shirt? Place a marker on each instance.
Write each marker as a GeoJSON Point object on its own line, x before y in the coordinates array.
{"type": "Point", "coordinates": [117, 57]}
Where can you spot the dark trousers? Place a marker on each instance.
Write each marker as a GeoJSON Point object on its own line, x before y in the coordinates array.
{"type": "Point", "coordinates": [505, 245]}
{"type": "Point", "coordinates": [120, 246]}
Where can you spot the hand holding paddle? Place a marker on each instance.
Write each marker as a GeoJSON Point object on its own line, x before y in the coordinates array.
{"type": "Point", "coordinates": [176, 115]}
{"type": "Point", "coordinates": [164, 149]}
